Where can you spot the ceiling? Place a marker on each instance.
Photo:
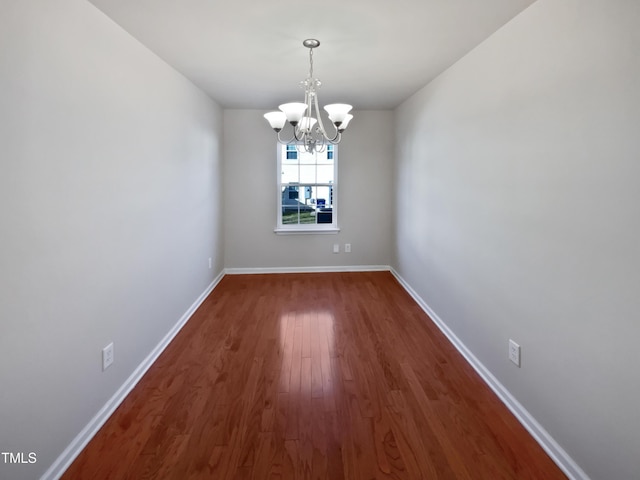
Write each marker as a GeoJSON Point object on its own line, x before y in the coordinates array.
{"type": "Point", "coordinates": [249, 54]}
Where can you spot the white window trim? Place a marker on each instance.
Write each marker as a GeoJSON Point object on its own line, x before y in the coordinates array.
{"type": "Point", "coordinates": [298, 230]}
{"type": "Point", "coordinates": [305, 229]}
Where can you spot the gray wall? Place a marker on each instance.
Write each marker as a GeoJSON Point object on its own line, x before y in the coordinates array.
{"type": "Point", "coordinates": [365, 168]}
{"type": "Point", "coordinates": [516, 216]}
{"type": "Point", "coordinates": [518, 212]}
{"type": "Point", "coordinates": [110, 193]}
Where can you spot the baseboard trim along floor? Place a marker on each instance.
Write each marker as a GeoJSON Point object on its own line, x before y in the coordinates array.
{"type": "Point", "coordinates": [329, 269]}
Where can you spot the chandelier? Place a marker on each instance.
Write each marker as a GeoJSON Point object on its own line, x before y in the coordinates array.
{"type": "Point", "coordinates": [309, 133]}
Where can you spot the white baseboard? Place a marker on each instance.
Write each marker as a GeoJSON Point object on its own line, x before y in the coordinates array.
{"type": "Point", "coordinates": [335, 268]}
{"type": "Point", "coordinates": [65, 459]}
{"type": "Point", "coordinates": [546, 441]}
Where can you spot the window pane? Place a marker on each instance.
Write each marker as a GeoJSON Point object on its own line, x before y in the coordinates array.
{"type": "Point", "coordinates": [325, 174]}
{"type": "Point", "coordinates": [290, 204]}
{"type": "Point", "coordinates": [292, 152]}
{"type": "Point", "coordinates": [323, 198]}
{"type": "Point", "coordinates": [308, 217]}
{"type": "Point", "coordinates": [290, 192]}
{"type": "Point", "coordinates": [308, 174]}
{"type": "Point", "coordinates": [308, 158]}
{"type": "Point", "coordinates": [325, 215]}
{"type": "Point", "coordinates": [292, 216]}
{"type": "Point", "coordinates": [290, 173]}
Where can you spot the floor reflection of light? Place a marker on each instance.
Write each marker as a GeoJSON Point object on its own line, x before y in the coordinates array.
{"type": "Point", "coordinates": [307, 344]}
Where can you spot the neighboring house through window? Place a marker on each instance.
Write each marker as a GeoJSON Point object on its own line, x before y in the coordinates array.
{"type": "Point", "coordinates": [306, 190]}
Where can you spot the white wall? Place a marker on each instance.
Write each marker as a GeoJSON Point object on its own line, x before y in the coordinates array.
{"type": "Point", "coordinates": [110, 193]}
{"type": "Point", "coordinates": [518, 211]}
{"type": "Point", "coordinates": [365, 169]}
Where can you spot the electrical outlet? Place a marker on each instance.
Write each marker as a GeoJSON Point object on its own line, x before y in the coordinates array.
{"type": "Point", "coordinates": [107, 356]}
{"type": "Point", "coordinates": [514, 352]}
{"type": "Point", "coordinates": [209, 263]}
{"type": "Point", "coordinates": [347, 248]}
{"type": "Point", "coordinates": [336, 248]}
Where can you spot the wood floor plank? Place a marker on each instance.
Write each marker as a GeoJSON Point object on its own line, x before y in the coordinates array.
{"type": "Point", "coordinates": [436, 424]}
{"type": "Point", "coordinates": [418, 446]}
{"type": "Point", "coordinates": [330, 376]}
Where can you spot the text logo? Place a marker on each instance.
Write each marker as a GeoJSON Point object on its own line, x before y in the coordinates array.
{"type": "Point", "coordinates": [18, 457]}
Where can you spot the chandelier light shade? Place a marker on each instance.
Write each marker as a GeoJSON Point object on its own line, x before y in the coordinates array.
{"type": "Point", "coordinates": [308, 131]}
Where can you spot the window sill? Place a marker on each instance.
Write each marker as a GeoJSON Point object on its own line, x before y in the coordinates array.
{"type": "Point", "coordinates": [330, 230]}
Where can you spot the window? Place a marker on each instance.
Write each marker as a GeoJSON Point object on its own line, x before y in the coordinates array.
{"type": "Point", "coordinates": [307, 190]}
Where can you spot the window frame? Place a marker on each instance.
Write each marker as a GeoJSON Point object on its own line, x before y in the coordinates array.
{"type": "Point", "coordinates": [305, 228]}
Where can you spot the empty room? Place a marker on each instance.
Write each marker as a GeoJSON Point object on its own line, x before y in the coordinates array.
{"type": "Point", "coordinates": [344, 240]}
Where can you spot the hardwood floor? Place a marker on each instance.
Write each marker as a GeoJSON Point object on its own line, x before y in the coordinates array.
{"type": "Point", "coordinates": [311, 376]}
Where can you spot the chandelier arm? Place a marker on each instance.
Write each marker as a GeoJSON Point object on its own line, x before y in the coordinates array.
{"type": "Point", "coordinates": [323, 144]}
{"type": "Point", "coordinates": [321, 128]}
{"type": "Point", "coordinates": [318, 138]}
{"type": "Point", "coordinates": [285, 142]}
{"type": "Point", "coordinates": [333, 140]}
